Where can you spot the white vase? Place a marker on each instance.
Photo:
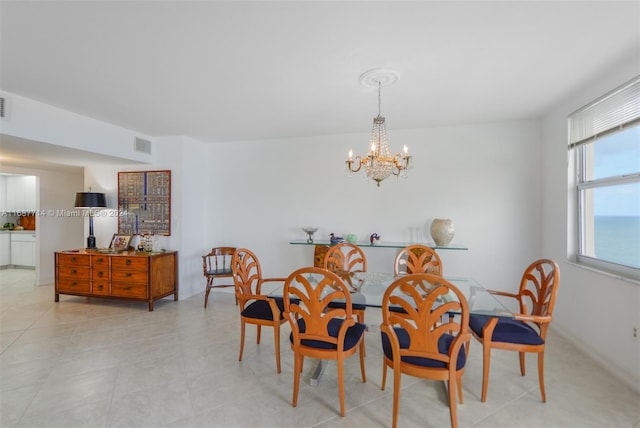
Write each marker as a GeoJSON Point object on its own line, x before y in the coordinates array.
{"type": "Point", "coordinates": [442, 231]}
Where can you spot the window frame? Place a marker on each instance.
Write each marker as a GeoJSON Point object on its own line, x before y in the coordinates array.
{"type": "Point", "coordinates": [584, 132]}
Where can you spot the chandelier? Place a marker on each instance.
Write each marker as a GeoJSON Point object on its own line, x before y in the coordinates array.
{"type": "Point", "coordinates": [379, 164]}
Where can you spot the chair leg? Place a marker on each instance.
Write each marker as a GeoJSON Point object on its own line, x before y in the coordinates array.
{"type": "Point", "coordinates": [362, 355]}
{"type": "Point", "coordinates": [522, 364]}
{"type": "Point", "coordinates": [241, 339]}
{"type": "Point", "coordinates": [459, 380]}
{"type": "Point", "coordinates": [452, 402]}
{"type": "Point", "coordinates": [276, 334]}
{"type": "Point", "coordinates": [258, 334]}
{"type": "Point", "coordinates": [541, 375]}
{"type": "Point", "coordinates": [297, 368]}
{"type": "Point", "coordinates": [360, 317]}
{"type": "Point", "coordinates": [384, 374]}
{"type": "Point", "coordinates": [340, 364]}
{"type": "Point", "coordinates": [206, 296]}
{"type": "Point", "coordinates": [486, 362]}
{"type": "Point", "coordinates": [396, 397]}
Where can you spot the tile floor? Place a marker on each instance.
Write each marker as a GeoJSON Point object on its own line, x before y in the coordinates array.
{"type": "Point", "coordinates": [101, 363]}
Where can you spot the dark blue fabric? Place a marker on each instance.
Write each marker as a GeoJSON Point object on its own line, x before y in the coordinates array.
{"type": "Point", "coordinates": [342, 305]}
{"type": "Point", "coordinates": [351, 339]}
{"type": "Point", "coordinates": [260, 309]}
{"type": "Point", "coordinates": [507, 330]}
{"type": "Point", "coordinates": [219, 272]}
{"type": "Point", "coordinates": [444, 343]}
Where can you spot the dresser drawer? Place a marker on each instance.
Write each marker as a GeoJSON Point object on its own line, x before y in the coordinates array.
{"type": "Point", "coordinates": [129, 289]}
{"type": "Point", "coordinates": [139, 277]}
{"type": "Point", "coordinates": [73, 285]}
{"type": "Point", "coordinates": [100, 274]}
{"type": "Point", "coordinates": [100, 288]}
{"type": "Point", "coordinates": [129, 263]}
{"type": "Point", "coordinates": [80, 272]}
{"type": "Point", "coordinates": [73, 260]}
{"type": "Point", "coordinates": [99, 261]}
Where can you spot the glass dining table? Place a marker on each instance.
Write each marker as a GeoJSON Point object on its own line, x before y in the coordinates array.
{"type": "Point", "coordinates": [368, 288]}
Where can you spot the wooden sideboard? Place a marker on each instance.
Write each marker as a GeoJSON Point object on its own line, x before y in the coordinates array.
{"type": "Point", "coordinates": [132, 275]}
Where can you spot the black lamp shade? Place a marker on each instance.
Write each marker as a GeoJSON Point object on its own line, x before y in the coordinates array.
{"type": "Point", "coordinates": [90, 200]}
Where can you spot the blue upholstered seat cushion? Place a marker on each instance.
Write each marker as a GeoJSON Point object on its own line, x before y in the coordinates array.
{"type": "Point", "coordinates": [354, 333]}
{"type": "Point", "coordinates": [221, 271]}
{"type": "Point", "coordinates": [260, 309]}
{"type": "Point", "coordinates": [444, 343]}
{"type": "Point", "coordinates": [507, 330]}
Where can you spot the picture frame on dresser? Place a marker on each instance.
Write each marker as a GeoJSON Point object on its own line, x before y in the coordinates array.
{"type": "Point", "coordinates": [120, 242]}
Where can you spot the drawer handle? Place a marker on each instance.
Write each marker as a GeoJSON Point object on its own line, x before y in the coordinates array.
{"type": "Point", "coordinates": [73, 271]}
{"type": "Point", "coordinates": [128, 262]}
{"type": "Point", "coordinates": [127, 275]}
{"type": "Point", "coordinates": [100, 275]}
{"type": "Point", "coordinates": [127, 288]}
{"type": "Point", "coordinates": [73, 259]}
{"type": "Point", "coordinates": [100, 260]}
{"type": "Point", "coordinates": [100, 287]}
{"type": "Point", "coordinates": [74, 283]}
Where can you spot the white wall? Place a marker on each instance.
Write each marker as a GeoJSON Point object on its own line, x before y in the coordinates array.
{"type": "Point", "coordinates": [486, 178]}
{"type": "Point", "coordinates": [596, 311]}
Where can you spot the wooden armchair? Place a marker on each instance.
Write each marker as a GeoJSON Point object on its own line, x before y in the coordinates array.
{"type": "Point", "coordinates": [527, 331]}
{"type": "Point", "coordinates": [216, 265]}
{"type": "Point", "coordinates": [255, 308]}
{"type": "Point", "coordinates": [317, 330]}
{"type": "Point", "coordinates": [344, 259]}
{"type": "Point", "coordinates": [414, 340]}
{"type": "Point", "coordinates": [417, 259]}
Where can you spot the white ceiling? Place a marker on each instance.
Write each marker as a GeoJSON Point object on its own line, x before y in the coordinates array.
{"type": "Point", "coordinates": [226, 71]}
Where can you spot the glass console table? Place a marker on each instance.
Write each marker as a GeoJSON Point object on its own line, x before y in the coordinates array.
{"type": "Point", "coordinates": [383, 244]}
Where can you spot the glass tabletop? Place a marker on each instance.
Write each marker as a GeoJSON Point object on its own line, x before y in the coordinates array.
{"type": "Point", "coordinates": [369, 287]}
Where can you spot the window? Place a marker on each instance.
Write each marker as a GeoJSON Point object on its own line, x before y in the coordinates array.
{"type": "Point", "coordinates": [605, 136]}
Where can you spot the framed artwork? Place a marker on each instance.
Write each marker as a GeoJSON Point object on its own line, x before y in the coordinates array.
{"type": "Point", "coordinates": [144, 202]}
{"type": "Point", "coordinates": [120, 242]}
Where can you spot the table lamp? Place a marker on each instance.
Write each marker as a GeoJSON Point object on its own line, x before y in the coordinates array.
{"type": "Point", "coordinates": [90, 200]}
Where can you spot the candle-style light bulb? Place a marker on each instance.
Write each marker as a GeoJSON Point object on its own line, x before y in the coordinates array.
{"type": "Point", "coordinates": [350, 154]}
{"type": "Point", "coordinates": [373, 147]}
{"type": "Point", "coordinates": [405, 149]}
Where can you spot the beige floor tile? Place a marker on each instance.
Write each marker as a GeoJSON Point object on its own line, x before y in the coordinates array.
{"type": "Point", "coordinates": [100, 363]}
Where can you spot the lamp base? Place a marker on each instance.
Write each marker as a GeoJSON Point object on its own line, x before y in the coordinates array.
{"type": "Point", "coordinates": [91, 242]}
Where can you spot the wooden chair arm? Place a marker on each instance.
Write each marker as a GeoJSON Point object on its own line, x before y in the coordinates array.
{"type": "Point", "coordinates": [533, 318]}
{"type": "Point", "coordinates": [504, 294]}
{"type": "Point", "coordinates": [273, 279]}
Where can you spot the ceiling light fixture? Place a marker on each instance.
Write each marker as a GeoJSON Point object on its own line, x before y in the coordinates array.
{"type": "Point", "coordinates": [379, 163]}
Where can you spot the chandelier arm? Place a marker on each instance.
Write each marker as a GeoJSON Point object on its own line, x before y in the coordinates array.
{"type": "Point", "coordinates": [350, 163]}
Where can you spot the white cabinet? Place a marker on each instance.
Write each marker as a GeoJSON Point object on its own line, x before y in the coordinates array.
{"type": "Point", "coordinates": [5, 249]}
{"type": "Point", "coordinates": [21, 193]}
{"type": "Point", "coordinates": [3, 192]}
{"type": "Point", "coordinates": [23, 249]}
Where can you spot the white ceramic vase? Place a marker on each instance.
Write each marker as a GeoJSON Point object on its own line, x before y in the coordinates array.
{"type": "Point", "coordinates": [442, 231]}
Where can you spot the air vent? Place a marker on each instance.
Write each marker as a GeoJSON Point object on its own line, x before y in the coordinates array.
{"type": "Point", "coordinates": [142, 146]}
{"type": "Point", "coordinates": [4, 111]}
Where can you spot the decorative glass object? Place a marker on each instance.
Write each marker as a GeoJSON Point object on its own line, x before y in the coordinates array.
{"type": "Point", "coordinates": [310, 231]}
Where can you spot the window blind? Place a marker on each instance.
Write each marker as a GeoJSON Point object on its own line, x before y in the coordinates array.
{"type": "Point", "coordinates": [610, 113]}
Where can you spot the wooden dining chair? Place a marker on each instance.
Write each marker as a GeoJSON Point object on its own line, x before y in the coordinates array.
{"type": "Point", "coordinates": [317, 330]}
{"type": "Point", "coordinates": [417, 258]}
{"type": "Point", "coordinates": [255, 307]}
{"type": "Point", "coordinates": [527, 330]}
{"type": "Point", "coordinates": [345, 259]}
{"type": "Point", "coordinates": [217, 265]}
{"type": "Point", "coordinates": [416, 342]}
